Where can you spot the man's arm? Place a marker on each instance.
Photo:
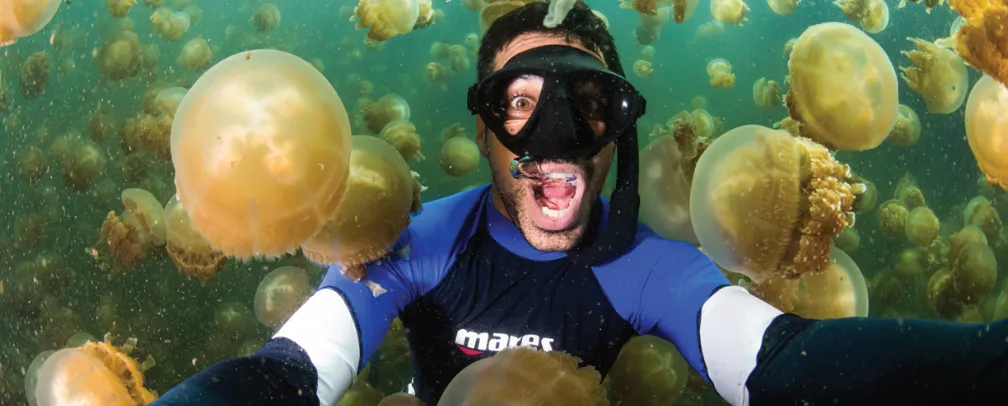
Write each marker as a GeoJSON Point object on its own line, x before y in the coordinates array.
{"type": "Point", "coordinates": [756, 355]}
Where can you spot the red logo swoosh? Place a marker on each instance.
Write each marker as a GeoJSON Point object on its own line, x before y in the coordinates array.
{"type": "Point", "coordinates": [469, 351]}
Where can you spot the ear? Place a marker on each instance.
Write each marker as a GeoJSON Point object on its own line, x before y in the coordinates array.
{"type": "Point", "coordinates": [481, 138]}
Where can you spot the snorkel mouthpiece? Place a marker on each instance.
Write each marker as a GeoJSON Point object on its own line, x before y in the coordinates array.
{"type": "Point", "coordinates": [526, 168]}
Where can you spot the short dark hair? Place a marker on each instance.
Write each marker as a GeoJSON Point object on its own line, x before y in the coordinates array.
{"type": "Point", "coordinates": [581, 26]}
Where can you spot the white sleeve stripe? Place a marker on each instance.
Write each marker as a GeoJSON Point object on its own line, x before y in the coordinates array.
{"type": "Point", "coordinates": [325, 329]}
{"type": "Point", "coordinates": [732, 324]}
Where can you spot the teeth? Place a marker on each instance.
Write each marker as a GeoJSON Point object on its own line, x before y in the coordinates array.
{"type": "Point", "coordinates": [556, 176]}
{"type": "Point", "coordinates": [554, 214]}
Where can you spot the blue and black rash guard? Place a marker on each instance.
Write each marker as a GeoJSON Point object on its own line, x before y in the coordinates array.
{"type": "Point", "coordinates": [467, 284]}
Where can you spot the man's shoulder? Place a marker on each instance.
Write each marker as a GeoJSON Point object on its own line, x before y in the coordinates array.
{"type": "Point", "coordinates": [448, 213]}
{"type": "Point", "coordinates": [649, 247]}
{"type": "Point", "coordinates": [653, 258]}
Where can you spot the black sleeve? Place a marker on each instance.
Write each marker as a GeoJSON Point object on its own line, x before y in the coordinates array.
{"type": "Point", "coordinates": [280, 373]}
{"type": "Point", "coordinates": [865, 361]}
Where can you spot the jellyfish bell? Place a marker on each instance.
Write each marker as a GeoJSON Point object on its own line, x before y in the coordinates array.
{"type": "Point", "coordinates": [168, 100]}
{"type": "Point", "coordinates": [783, 7]}
{"type": "Point", "coordinates": [922, 226]}
{"type": "Point", "coordinates": [390, 107]}
{"type": "Point", "coordinates": [938, 75]}
{"type": "Point", "coordinates": [648, 371]}
{"type": "Point", "coordinates": [907, 130]}
{"type": "Point", "coordinates": [21, 18]}
{"type": "Point", "coordinates": [838, 292]}
{"type": "Point", "coordinates": [767, 204]}
{"type": "Point", "coordinates": [403, 136]}
{"type": "Point", "coordinates": [719, 71]}
{"type": "Point", "coordinates": [459, 156]}
{"type": "Point", "coordinates": [279, 294]}
{"type": "Point", "coordinates": [729, 11]}
{"type": "Point", "coordinates": [190, 252]}
{"type": "Point", "coordinates": [876, 17]}
{"type": "Point", "coordinates": [195, 55]}
{"type": "Point", "coordinates": [987, 128]}
{"type": "Point", "coordinates": [494, 10]}
{"type": "Point", "coordinates": [145, 213]}
{"type": "Point", "coordinates": [843, 88]}
{"type": "Point", "coordinates": [387, 18]}
{"type": "Point", "coordinates": [665, 190]}
{"type": "Point", "coordinates": [260, 147]}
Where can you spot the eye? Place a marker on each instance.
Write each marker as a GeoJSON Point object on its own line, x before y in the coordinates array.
{"type": "Point", "coordinates": [521, 103]}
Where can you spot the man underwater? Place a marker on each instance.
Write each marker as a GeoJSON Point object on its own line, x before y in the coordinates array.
{"type": "Point", "coordinates": [537, 259]}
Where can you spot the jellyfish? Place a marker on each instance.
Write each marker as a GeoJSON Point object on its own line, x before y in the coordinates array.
{"type": "Point", "coordinates": [261, 148]}
{"type": "Point", "coordinates": [458, 58]}
{"type": "Point", "coordinates": [101, 125]}
{"type": "Point", "coordinates": [980, 213]}
{"type": "Point", "coordinates": [729, 11]}
{"type": "Point", "coordinates": [390, 107]}
{"type": "Point", "coordinates": [866, 201]}
{"type": "Point", "coordinates": [85, 163]}
{"type": "Point", "coordinates": [892, 216]}
{"type": "Point", "coordinates": [266, 18]}
{"type": "Point", "coordinates": [379, 198]}
{"type": "Point", "coordinates": [647, 52]}
{"type": "Point", "coordinates": [767, 94]}
{"type": "Point", "coordinates": [907, 130]}
{"type": "Point", "coordinates": [682, 10]}
{"type": "Point", "coordinates": [426, 15]}
{"type": "Point", "coordinates": [401, 399]}
{"type": "Point", "coordinates": [435, 72]}
{"type": "Point", "coordinates": [195, 13]}
{"type": "Point", "coordinates": [119, 57]}
{"type": "Point", "coordinates": [974, 273]}
{"type": "Point", "coordinates": [119, 8]}
{"type": "Point", "coordinates": [491, 11]}
{"type": "Point", "coordinates": [843, 88]}
{"type": "Point", "coordinates": [168, 100]}
{"type": "Point", "coordinates": [21, 18]}
{"type": "Point", "coordinates": [387, 18]}
{"type": "Point", "coordinates": [196, 55]}
{"type": "Point", "coordinates": [966, 235]}
{"type": "Point", "coordinates": [985, 129]}
{"type": "Point", "coordinates": [848, 240]}
{"type": "Point", "coordinates": [391, 365]}
{"type": "Point", "coordinates": [873, 15]}
{"type": "Point", "coordinates": [190, 252]}
{"type": "Point", "coordinates": [234, 320]}
{"type": "Point", "coordinates": [839, 292]}
{"type": "Point", "coordinates": [709, 29]}
{"type": "Point", "coordinates": [279, 294]}
{"type": "Point", "coordinates": [170, 24]}
{"type": "Point", "coordinates": [525, 376]}
{"type": "Point", "coordinates": [93, 374]}
{"type": "Point", "coordinates": [403, 136]}
{"type": "Point", "coordinates": [32, 164]}
{"type": "Point", "coordinates": [35, 74]}
{"type": "Point", "coordinates": [719, 71]}
{"type": "Point", "coordinates": [922, 226]}
{"type": "Point", "coordinates": [981, 41]}
{"type": "Point", "coordinates": [665, 177]}
{"type": "Point", "coordinates": [648, 371]}
{"type": "Point", "coordinates": [641, 6]}
{"type": "Point", "coordinates": [459, 154]}
{"type": "Point", "coordinates": [937, 74]}
{"type": "Point", "coordinates": [783, 7]}
{"type": "Point", "coordinates": [767, 204]}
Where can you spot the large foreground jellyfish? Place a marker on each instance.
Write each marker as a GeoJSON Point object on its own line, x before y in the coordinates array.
{"type": "Point", "coordinates": [767, 204]}
{"type": "Point", "coordinates": [21, 18]}
{"type": "Point", "coordinates": [94, 374]}
{"type": "Point", "coordinates": [525, 376]}
{"type": "Point", "coordinates": [261, 148]}
{"type": "Point", "coordinates": [937, 74]}
{"type": "Point", "coordinates": [376, 208]}
{"type": "Point", "coordinates": [840, 291]}
{"type": "Point", "coordinates": [843, 88]}
{"type": "Point", "coordinates": [983, 41]}
{"type": "Point", "coordinates": [648, 371]}
{"type": "Point", "coordinates": [987, 129]}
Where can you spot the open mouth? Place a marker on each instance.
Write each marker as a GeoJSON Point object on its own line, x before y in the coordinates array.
{"type": "Point", "coordinates": [556, 196]}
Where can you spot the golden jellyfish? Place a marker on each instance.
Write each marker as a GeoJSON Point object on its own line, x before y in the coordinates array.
{"type": "Point", "coordinates": [892, 217]}
{"type": "Point", "coordinates": [525, 376]}
{"type": "Point", "coordinates": [979, 212]}
{"type": "Point", "coordinates": [101, 124]}
{"type": "Point", "coordinates": [937, 74]}
{"type": "Point", "coordinates": [195, 13]}
{"type": "Point", "coordinates": [966, 235]}
{"type": "Point", "coordinates": [641, 6]}
{"type": "Point", "coordinates": [426, 14]}
{"type": "Point", "coordinates": [32, 164]}
{"type": "Point", "coordinates": [190, 252]}
{"type": "Point", "coordinates": [168, 100]}
{"type": "Point", "coordinates": [848, 240]}
{"type": "Point", "coordinates": [709, 29]}
{"type": "Point", "coordinates": [767, 204]}
{"type": "Point", "coordinates": [843, 88]}
{"type": "Point", "coordinates": [387, 18]}
{"type": "Point", "coordinates": [435, 72]}
{"type": "Point", "coordinates": [261, 148]}
{"type": "Point", "coordinates": [392, 363]}
{"type": "Point", "coordinates": [233, 320]}
{"type": "Point", "coordinates": [682, 10]}
{"type": "Point", "coordinates": [119, 8]}
{"type": "Point", "coordinates": [986, 126]}
{"type": "Point", "coordinates": [873, 15]}
{"type": "Point", "coordinates": [35, 75]}
{"type": "Point", "coordinates": [170, 24]}
{"type": "Point", "coordinates": [145, 213]}
{"type": "Point", "coordinates": [982, 41]}
{"type": "Point", "coordinates": [908, 263]}
{"type": "Point", "coordinates": [866, 201]}
{"type": "Point", "coordinates": [767, 94]}
{"type": "Point", "coordinates": [783, 7]}
{"type": "Point", "coordinates": [719, 71]}
{"type": "Point", "coordinates": [729, 11]}
{"type": "Point", "coordinates": [838, 292]}
{"type": "Point", "coordinates": [31, 375]}
{"type": "Point", "coordinates": [119, 57]}
{"type": "Point", "coordinates": [195, 55]}
{"type": "Point", "coordinates": [360, 394]}
{"type": "Point", "coordinates": [907, 130]}
{"type": "Point", "coordinates": [439, 50]}
{"type": "Point", "coordinates": [974, 273]}
{"type": "Point", "coordinates": [647, 52]}
{"type": "Point", "coordinates": [922, 226]}
{"type": "Point", "coordinates": [122, 241]}
{"type": "Point", "coordinates": [390, 107]}
{"type": "Point", "coordinates": [459, 154]}
{"type": "Point", "coordinates": [85, 163]}
{"type": "Point", "coordinates": [379, 198]}
{"type": "Point", "coordinates": [93, 374]}
{"type": "Point", "coordinates": [908, 193]}
{"type": "Point", "coordinates": [642, 68]}
{"type": "Point", "coordinates": [648, 371]}
{"type": "Point", "coordinates": [665, 179]}
{"type": "Point", "coordinates": [21, 18]}
{"type": "Point", "coordinates": [403, 136]}
{"type": "Point", "coordinates": [279, 294]}
{"type": "Point", "coordinates": [458, 58]}
{"type": "Point", "coordinates": [401, 399]}
{"type": "Point", "coordinates": [491, 11]}
{"type": "Point", "coordinates": [266, 18]}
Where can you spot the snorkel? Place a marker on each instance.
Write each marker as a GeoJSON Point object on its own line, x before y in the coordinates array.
{"type": "Point", "coordinates": [578, 93]}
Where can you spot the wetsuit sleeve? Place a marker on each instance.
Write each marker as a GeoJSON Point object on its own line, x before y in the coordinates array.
{"type": "Point", "coordinates": [758, 356]}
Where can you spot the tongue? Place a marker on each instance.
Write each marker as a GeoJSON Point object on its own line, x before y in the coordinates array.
{"type": "Point", "coordinates": [557, 195]}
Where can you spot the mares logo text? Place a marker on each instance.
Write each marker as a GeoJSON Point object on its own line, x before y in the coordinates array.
{"type": "Point", "coordinates": [475, 343]}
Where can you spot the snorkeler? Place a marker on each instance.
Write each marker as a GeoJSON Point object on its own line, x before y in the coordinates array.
{"type": "Point", "coordinates": [537, 259]}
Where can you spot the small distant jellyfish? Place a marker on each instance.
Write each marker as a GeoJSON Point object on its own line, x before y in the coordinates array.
{"type": "Point", "coordinates": [85, 163]}
{"type": "Point", "coordinates": [390, 107]}
{"type": "Point", "coordinates": [32, 164]}
{"type": "Point", "coordinates": [119, 8]}
{"type": "Point", "coordinates": [647, 52]}
{"type": "Point", "coordinates": [167, 101]}
{"type": "Point", "coordinates": [266, 18]}
{"type": "Point", "coordinates": [21, 18]}
{"type": "Point", "coordinates": [873, 15]}
{"type": "Point", "coordinates": [642, 68]}
{"type": "Point", "coordinates": [435, 72]}
{"type": "Point", "coordinates": [783, 7]}
{"type": "Point", "coordinates": [196, 55]}
{"type": "Point", "coordinates": [119, 57]}
{"type": "Point", "coordinates": [459, 154]}
{"type": "Point", "coordinates": [767, 94]}
{"type": "Point", "coordinates": [719, 71]}
{"type": "Point", "coordinates": [35, 75]}
{"type": "Point", "coordinates": [403, 136]}
{"type": "Point", "coordinates": [907, 130]}
{"type": "Point", "coordinates": [729, 11]}
{"type": "Point", "coordinates": [170, 24]}
{"type": "Point", "coordinates": [279, 294]}
{"type": "Point", "coordinates": [387, 18]}
{"type": "Point", "coordinates": [938, 75]}
{"type": "Point", "coordinates": [146, 214]}
{"type": "Point", "coordinates": [648, 371]}
{"type": "Point", "coordinates": [922, 226]}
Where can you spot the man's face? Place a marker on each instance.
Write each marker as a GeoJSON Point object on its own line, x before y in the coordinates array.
{"type": "Point", "coordinates": [551, 216]}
